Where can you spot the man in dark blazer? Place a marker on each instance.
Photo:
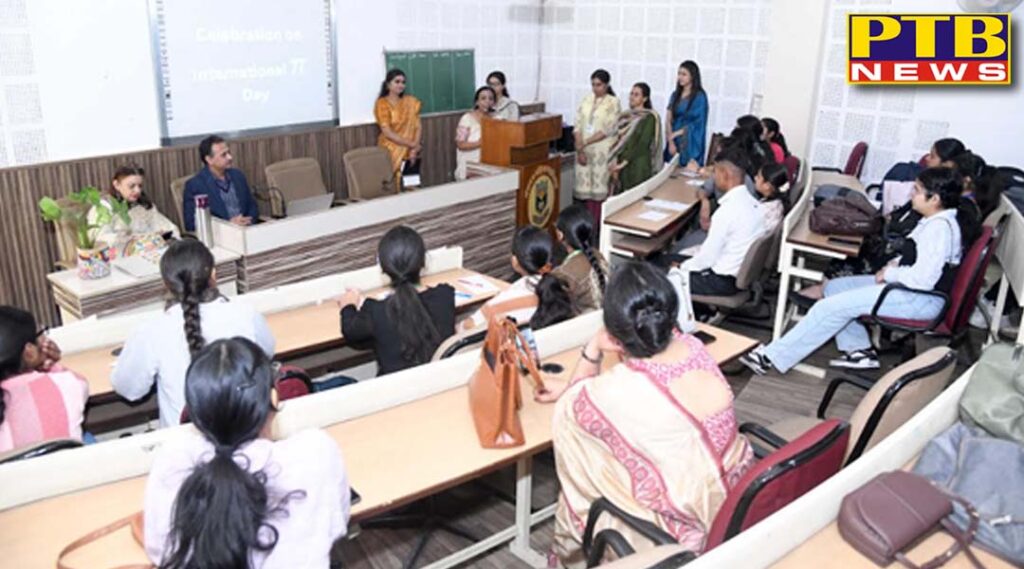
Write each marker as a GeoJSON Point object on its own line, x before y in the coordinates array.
{"type": "Point", "coordinates": [229, 195]}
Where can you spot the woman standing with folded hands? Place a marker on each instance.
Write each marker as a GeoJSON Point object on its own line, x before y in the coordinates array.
{"type": "Point", "coordinates": [398, 116]}
{"type": "Point", "coordinates": [594, 132]}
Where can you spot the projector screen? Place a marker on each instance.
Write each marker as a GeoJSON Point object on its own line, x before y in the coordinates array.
{"type": "Point", "coordinates": [243, 66]}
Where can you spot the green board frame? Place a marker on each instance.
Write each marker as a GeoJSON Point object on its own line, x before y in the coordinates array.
{"type": "Point", "coordinates": [443, 80]}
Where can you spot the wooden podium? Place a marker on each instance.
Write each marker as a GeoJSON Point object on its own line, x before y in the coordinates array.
{"type": "Point", "coordinates": [523, 145]}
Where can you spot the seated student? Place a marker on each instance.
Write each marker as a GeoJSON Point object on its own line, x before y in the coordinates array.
{"type": "Point", "coordinates": [773, 136]}
{"type": "Point", "coordinates": [229, 193]}
{"type": "Point", "coordinates": [758, 149]}
{"type": "Point", "coordinates": [538, 297]}
{"type": "Point", "coordinates": [942, 153]}
{"type": "Point", "coordinates": [584, 269]}
{"type": "Point", "coordinates": [161, 349]}
{"type": "Point", "coordinates": [467, 134]}
{"type": "Point", "coordinates": [672, 413]}
{"type": "Point", "coordinates": [928, 262]}
{"type": "Point", "coordinates": [39, 399]}
{"type": "Point", "coordinates": [147, 228]}
{"type": "Point", "coordinates": [504, 107]}
{"type": "Point", "coordinates": [407, 327]}
{"type": "Point", "coordinates": [735, 225]}
{"type": "Point", "coordinates": [771, 182]}
{"type": "Point", "coordinates": [229, 496]}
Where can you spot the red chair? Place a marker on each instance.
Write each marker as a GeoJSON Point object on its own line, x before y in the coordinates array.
{"type": "Point", "coordinates": [782, 477]}
{"type": "Point", "coordinates": [854, 164]}
{"type": "Point", "coordinates": [792, 164]}
{"type": "Point", "coordinates": [952, 321]}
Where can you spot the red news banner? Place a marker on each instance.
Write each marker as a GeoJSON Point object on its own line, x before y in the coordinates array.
{"type": "Point", "coordinates": [928, 49]}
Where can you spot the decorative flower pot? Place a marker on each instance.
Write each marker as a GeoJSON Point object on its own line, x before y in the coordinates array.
{"type": "Point", "coordinates": [94, 263]}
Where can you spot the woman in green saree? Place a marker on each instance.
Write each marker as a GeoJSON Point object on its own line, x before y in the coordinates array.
{"type": "Point", "coordinates": [636, 154]}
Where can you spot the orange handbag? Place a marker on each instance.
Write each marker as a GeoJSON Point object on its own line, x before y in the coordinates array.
{"type": "Point", "coordinates": [134, 521]}
{"type": "Point", "coordinates": [494, 394]}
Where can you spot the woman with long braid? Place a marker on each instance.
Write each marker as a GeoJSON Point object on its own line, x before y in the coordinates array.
{"type": "Point", "coordinates": [228, 496]}
{"type": "Point", "coordinates": [584, 269]}
{"type": "Point", "coordinates": [160, 350]}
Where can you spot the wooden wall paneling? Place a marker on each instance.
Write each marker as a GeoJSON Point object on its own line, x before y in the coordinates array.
{"type": "Point", "coordinates": [29, 246]}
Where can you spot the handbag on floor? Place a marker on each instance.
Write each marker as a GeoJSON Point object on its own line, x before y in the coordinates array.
{"type": "Point", "coordinates": [989, 473]}
{"type": "Point", "coordinates": [134, 521]}
{"type": "Point", "coordinates": [494, 394]}
{"type": "Point", "coordinates": [994, 397]}
{"type": "Point", "coordinates": [886, 515]}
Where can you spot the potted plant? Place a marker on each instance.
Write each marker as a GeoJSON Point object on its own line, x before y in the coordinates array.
{"type": "Point", "coordinates": [93, 256]}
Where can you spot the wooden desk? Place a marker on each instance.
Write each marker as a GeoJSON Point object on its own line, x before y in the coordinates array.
{"type": "Point", "coordinates": [678, 190]}
{"type": "Point", "coordinates": [800, 242]}
{"type": "Point", "coordinates": [435, 434]}
{"type": "Point", "coordinates": [298, 331]}
{"type": "Point", "coordinates": [120, 291]}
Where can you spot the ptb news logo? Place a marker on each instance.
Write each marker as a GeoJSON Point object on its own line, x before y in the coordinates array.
{"type": "Point", "coordinates": [928, 49]}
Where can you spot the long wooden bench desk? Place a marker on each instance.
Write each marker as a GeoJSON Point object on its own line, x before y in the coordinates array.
{"type": "Point", "coordinates": [394, 456]}
{"type": "Point", "coordinates": [296, 331]}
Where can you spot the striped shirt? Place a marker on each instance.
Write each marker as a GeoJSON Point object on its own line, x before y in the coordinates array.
{"type": "Point", "coordinates": [41, 406]}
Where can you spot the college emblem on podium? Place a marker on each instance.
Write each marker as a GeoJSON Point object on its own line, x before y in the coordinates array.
{"type": "Point", "coordinates": [541, 194]}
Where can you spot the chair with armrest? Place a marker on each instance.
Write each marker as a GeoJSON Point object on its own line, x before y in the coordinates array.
{"type": "Point", "coordinates": [293, 179]}
{"type": "Point", "coordinates": [854, 163]}
{"type": "Point", "coordinates": [713, 147]}
{"type": "Point", "coordinates": [792, 164]}
{"type": "Point", "coordinates": [178, 193]}
{"type": "Point", "coordinates": [770, 485]}
{"type": "Point", "coordinates": [460, 342]}
{"type": "Point", "coordinates": [951, 323]}
{"type": "Point", "coordinates": [749, 281]}
{"type": "Point", "coordinates": [38, 449]}
{"type": "Point", "coordinates": [887, 404]}
{"type": "Point", "coordinates": [67, 243]}
{"type": "Point", "coordinates": [369, 173]}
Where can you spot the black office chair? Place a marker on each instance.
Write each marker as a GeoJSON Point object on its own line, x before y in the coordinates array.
{"type": "Point", "coordinates": [38, 449]}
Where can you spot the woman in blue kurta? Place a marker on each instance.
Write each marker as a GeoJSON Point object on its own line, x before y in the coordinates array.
{"type": "Point", "coordinates": [687, 118]}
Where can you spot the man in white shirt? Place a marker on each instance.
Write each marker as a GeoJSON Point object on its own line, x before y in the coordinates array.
{"type": "Point", "coordinates": [735, 225]}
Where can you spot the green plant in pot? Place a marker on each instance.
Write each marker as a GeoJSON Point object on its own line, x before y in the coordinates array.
{"type": "Point", "coordinates": [93, 256]}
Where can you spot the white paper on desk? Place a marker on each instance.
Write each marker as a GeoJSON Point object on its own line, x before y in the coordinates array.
{"type": "Point", "coordinates": [667, 204]}
{"type": "Point", "coordinates": [653, 215]}
{"type": "Point", "coordinates": [695, 182]}
{"type": "Point", "coordinates": [478, 284]}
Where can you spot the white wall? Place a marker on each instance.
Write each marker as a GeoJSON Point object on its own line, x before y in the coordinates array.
{"type": "Point", "coordinates": [646, 40]}
{"type": "Point", "coordinates": [900, 123]}
{"type": "Point", "coordinates": [77, 78]}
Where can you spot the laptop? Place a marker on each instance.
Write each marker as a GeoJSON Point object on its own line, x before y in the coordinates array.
{"type": "Point", "coordinates": [308, 205]}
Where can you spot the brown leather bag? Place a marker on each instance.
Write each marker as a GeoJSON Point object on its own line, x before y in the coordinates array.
{"type": "Point", "coordinates": [494, 394]}
{"type": "Point", "coordinates": [134, 520]}
{"type": "Point", "coordinates": [883, 517]}
{"type": "Point", "coordinates": [849, 215]}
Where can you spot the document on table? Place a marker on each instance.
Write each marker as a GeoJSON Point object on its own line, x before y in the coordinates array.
{"type": "Point", "coordinates": [667, 204]}
{"type": "Point", "coordinates": [477, 284]}
{"type": "Point", "coordinates": [653, 215]}
{"type": "Point", "coordinates": [695, 182]}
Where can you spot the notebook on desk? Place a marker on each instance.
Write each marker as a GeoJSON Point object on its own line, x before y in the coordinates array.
{"type": "Point", "coordinates": [136, 266]}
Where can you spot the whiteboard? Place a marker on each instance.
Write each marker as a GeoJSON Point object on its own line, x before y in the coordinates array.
{"type": "Point", "coordinates": [242, 67]}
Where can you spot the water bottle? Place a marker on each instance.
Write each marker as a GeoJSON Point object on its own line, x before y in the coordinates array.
{"type": "Point", "coordinates": [204, 223]}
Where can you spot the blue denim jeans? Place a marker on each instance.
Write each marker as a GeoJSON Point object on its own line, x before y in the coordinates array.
{"type": "Point", "coordinates": [836, 315]}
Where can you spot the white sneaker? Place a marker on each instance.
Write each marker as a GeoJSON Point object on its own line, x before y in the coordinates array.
{"type": "Point", "coordinates": [857, 359]}
{"type": "Point", "coordinates": [982, 314]}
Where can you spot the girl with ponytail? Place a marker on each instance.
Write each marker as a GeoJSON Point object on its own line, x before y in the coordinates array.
{"type": "Point", "coordinates": [405, 328]}
{"type": "Point", "coordinates": [667, 397]}
{"type": "Point", "coordinates": [160, 350]}
{"type": "Point", "coordinates": [584, 269]}
{"type": "Point", "coordinates": [228, 496]}
{"type": "Point", "coordinates": [538, 297]}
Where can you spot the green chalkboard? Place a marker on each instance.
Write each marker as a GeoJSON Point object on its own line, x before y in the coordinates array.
{"type": "Point", "coordinates": [443, 80]}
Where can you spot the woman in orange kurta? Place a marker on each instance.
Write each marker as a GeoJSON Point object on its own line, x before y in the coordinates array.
{"type": "Point", "coordinates": [398, 116]}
